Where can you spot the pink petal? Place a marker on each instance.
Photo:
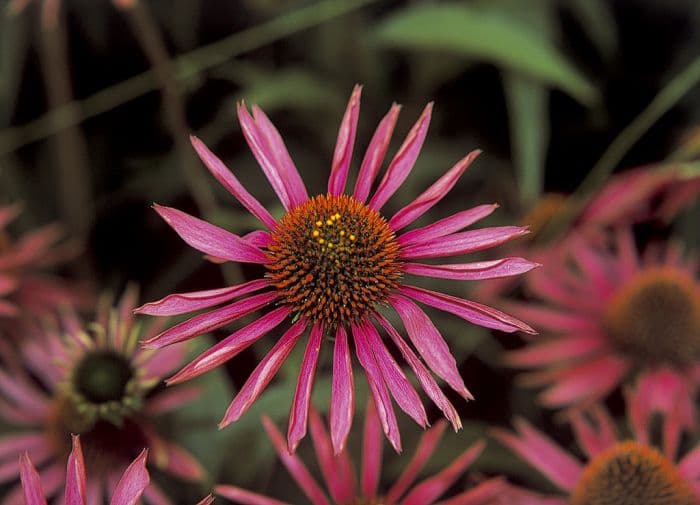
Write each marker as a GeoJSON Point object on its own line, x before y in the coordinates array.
{"type": "Point", "coordinates": [371, 452]}
{"type": "Point", "coordinates": [426, 380]}
{"type": "Point", "coordinates": [244, 497]}
{"type": "Point", "coordinates": [336, 469]}
{"type": "Point", "coordinates": [231, 183]}
{"type": "Point", "coordinates": [258, 238]}
{"type": "Point", "coordinates": [23, 395]}
{"type": "Point", "coordinates": [689, 466]}
{"type": "Point", "coordinates": [8, 214]}
{"type": "Point", "coordinates": [426, 446]}
{"type": "Point", "coordinates": [175, 460]}
{"type": "Point", "coordinates": [181, 303]}
{"type": "Point", "coordinates": [377, 386]}
{"type": "Point", "coordinates": [263, 373]}
{"type": "Point", "coordinates": [259, 147]}
{"type": "Point", "coordinates": [593, 439]}
{"type": "Point", "coordinates": [432, 195]}
{"type": "Point", "coordinates": [430, 344]}
{"type": "Point", "coordinates": [342, 392]}
{"type": "Point", "coordinates": [486, 493]}
{"type": "Point", "coordinates": [290, 175]}
{"type": "Point", "coordinates": [543, 454]}
{"type": "Point", "coordinates": [374, 156]}
{"type": "Point", "coordinates": [403, 162]}
{"type": "Point", "coordinates": [430, 489]}
{"type": "Point", "coordinates": [344, 145]}
{"type": "Point", "coordinates": [133, 482]}
{"type": "Point", "coordinates": [505, 267]}
{"type": "Point", "coordinates": [399, 386]}
{"type": "Point", "coordinates": [556, 350]}
{"type": "Point", "coordinates": [75, 475]}
{"type": "Point", "coordinates": [210, 239]}
{"type": "Point", "coordinates": [230, 346]}
{"type": "Point", "coordinates": [468, 310]}
{"type": "Point", "coordinates": [294, 465]}
{"type": "Point", "coordinates": [554, 320]}
{"type": "Point", "coordinates": [172, 399]}
{"type": "Point", "coordinates": [299, 412]}
{"type": "Point", "coordinates": [464, 242]}
{"type": "Point", "coordinates": [31, 483]}
{"type": "Point", "coordinates": [447, 225]}
{"type": "Point", "coordinates": [13, 444]}
{"type": "Point", "coordinates": [203, 323]}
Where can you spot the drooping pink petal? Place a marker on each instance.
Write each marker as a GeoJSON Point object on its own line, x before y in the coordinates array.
{"type": "Point", "coordinates": [336, 469]}
{"type": "Point", "coordinates": [593, 439]}
{"type": "Point", "coordinates": [472, 271]}
{"type": "Point", "coordinates": [244, 497]}
{"type": "Point", "coordinates": [446, 226]}
{"type": "Point", "coordinates": [299, 412]}
{"type": "Point", "coordinates": [231, 183]}
{"type": "Point", "coordinates": [181, 303]}
{"type": "Point", "coordinates": [371, 452]}
{"type": "Point", "coordinates": [263, 373]}
{"type": "Point", "coordinates": [471, 311]}
{"type": "Point", "coordinates": [31, 483]}
{"type": "Point", "coordinates": [230, 346]}
{"type": "Point", "coordinates": [203, 323]}
{"type": "Point", "coordinates": [382, 400]}
{"type": "Point", "coordinates": [430, 345]}
{"type": "Point", "coordinates": [259, 147]}
{"type": "Point", "coordinates": [426, 446]}
{"type": "Point", "coordinates": [426, 380]}
{"type": "Point", "coordinates": [344, 144]}
{"type": "Point", "coordinates": [401, 389]}
{"type": "Point", "coordinates": [133, 482]}
{"type": "Point", "coordinates": [432, 195]}
{"type": "Point", "coordinates": [342, 406]}
{"type": "Point", "coordinates": [210, 239]}
{"type": "Point", "coordinates": [464, 242]}
{"type": "Point", "coordinates": [75, 475]}
{"type": "Point", "coordinates": [290, 175]}
{"type": "Point", "coordinates": [430, 489]}
{"type": "Point", "coordinates": [403, 161]}
{"type": "Point", "coordinates": [294, 465]}
{"type": "Point", "coordinates": [556, 350]}
{"type": "Point", "coordinates": [374, 156]}
{"type": "Point", "coordinates": [543, 454]}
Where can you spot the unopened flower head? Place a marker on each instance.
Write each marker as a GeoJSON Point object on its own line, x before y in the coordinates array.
{"type": "Point", "coordinates": [332, 261]}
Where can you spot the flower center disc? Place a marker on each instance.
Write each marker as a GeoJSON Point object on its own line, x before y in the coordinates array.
{"type": "Point", "coordinates": [333, 259]}
{"type": "Point", "coordinates": [656, 317]}
{"type": "Point", "coordinates": [632, 474]}
{"type": "Point", "coordinates": [102, 376]}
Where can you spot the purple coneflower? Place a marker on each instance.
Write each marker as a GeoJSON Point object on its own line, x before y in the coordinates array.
{"type": "Point", "coordinates": [340, 479]}
{"type": "Point", "coordinates": [100, 386]}
{"type": "Point", "coordinates": [332, 260]}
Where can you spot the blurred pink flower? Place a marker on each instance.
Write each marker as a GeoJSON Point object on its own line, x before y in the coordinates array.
{"type": "Point", "coordinates": [127, 491]}
{"type": "Point", "coordinates": [339, 475]}
{"type": "Point", "coordinates": [609, 315]}
{"type": "Point", "coordinates": [331, 261]}
{"type": "Point", "coordinates": [615, 471]}
{"type": "Point", "coordinates": [98, 385]}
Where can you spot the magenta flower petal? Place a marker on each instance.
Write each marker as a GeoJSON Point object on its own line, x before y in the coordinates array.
{"type": "Point", "coordinates": [690, 464]}
{"type": "Point", "coordinates": [344, 145]}
{"type": "Point", "coordinates": [75, 475]}
{"type": "Point", "coordinates": [132, 483]}
{"type": "Point", "coordinates": [473, 271]}
{"type": "Point", "coordinates": [231, 183]}
{"type": "Point", "coordinates": [210, 239]}
{"type": "Point", "coordinates": [446, 226]}
{"type": "Point", "coordinates": [471, 311]}
{"type": "Point", "coordinates": [180, 462]}
{"type": "Point", "coordinates": [294, 465]}
{"type": "Point", "coordinates": [374, 156]}
{"type": "Point", "coordinates": [181, 303]}
{"type": "Point", "coordinates": [593, 439]}
{"type": "Point", "coordinates": [552, 351]}
{"type": "Point", "coordinates": [371, 452]}
{"type": "Point", "coordinates": [31, 484]}
{"type": "Point", "coordinates": [432, 195]}
{"type": "Point", "coordinates": [342, 392]}
{"type": "Point", "coordinates": [299, 412]}
{"type": "Point", "coordinates": [464, 242]}
{"type": "Point", "coordinates": [208, 321]}
{"type": "Point", "coordinates": [173, 399]}
{"type": "Point", "coordinates": [263, 373]}
{"type": "Point", "coordinates": [490, 492]}
{"type": "Point", "coordinates": [238, 495]}
{"type": "Point", "coordinates": [230, 346]}
{"type": "Point", "coordinates": [403, 161]}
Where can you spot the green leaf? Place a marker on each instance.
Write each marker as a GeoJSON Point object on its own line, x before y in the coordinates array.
{"type": "Point", "coordinates": [486, 36]}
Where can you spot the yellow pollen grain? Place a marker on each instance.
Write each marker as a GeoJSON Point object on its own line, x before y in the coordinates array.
{"type": "Point", "coordinates": [336, 216]}
{"type": "Point", "coordinates": [342, 233]}
{"type": "Point", "coordinates": [319, 223]}
{"type": "Point", "coordinates": [316, 233]}
{"type": "Point", "coordinates": [329, 222]}
{"type": "Point", "coordinates": [352, 237]}
{"type": "Point", "coordinates": [321, 241]}
{"type": "Point", "coordinates": [330, 245]}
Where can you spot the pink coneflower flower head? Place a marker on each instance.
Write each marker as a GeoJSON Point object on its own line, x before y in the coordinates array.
{"type": "Point", "coordinates": [332, 261]}
{"type": "Point", "coordinates": [341, 482]}
{"type": "Point", "coordinates": [616, 470]}
{"type": "Point", "coordinates": [96, 382]}
{"type": "Point", "coordinates": [127, 491]}
{"type": "Point", "coordinates": [609, 315]}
